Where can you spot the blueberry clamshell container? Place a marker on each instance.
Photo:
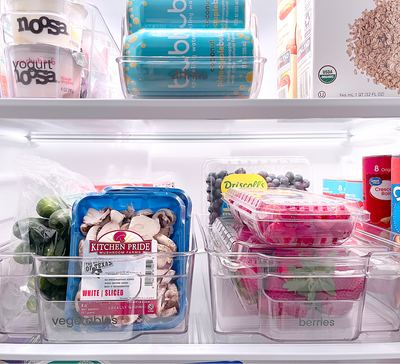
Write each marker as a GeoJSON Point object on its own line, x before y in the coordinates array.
{"type": "Point", "coordinates": [293, 218]}
{"type": "Point", "coordinates": [216, 171]}
{"type": "Point", "coordinates": [253, 293]}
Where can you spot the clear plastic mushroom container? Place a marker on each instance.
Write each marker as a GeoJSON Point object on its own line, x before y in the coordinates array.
{"type": "Point", "coordinates": [293, 218]}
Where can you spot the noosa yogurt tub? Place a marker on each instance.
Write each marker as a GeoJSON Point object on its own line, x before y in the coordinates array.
{"type": "Point", "coordinates": [38, 70]}
{"type": "Point", "coordinates": [57, 22]}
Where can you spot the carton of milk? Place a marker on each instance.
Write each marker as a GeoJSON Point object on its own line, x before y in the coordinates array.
{"type": "Point", "coordinates": [348, 49]}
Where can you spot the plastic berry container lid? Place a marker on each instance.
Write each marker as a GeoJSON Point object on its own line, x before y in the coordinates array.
{"type": "Point", "coordinates": [288, 217]}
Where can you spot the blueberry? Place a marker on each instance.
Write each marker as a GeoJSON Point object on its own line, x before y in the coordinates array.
{"type": "Point", "coordinates": [210, 197]}
{"type": "Point", "coordinates": [213, 217]}
{"type": "Point", "coordinates": [298, 177]}
{"type": "Point", "coordinates": [240, 171]}
{"type": "Point", "coordinates": [306, 183]}
{"type": "Point", "coordinates": [272, 176]}
{"type": "Point", "coordinates": [270, 184]}
{"type": "Point", "coordinates": [208, 180]}
{"type": "Point", "coordinates": [217, 193]}
{"type": "Point", "coordinates": [263, 174]}
{"type": "Point", "coordinates": [285, 182]}
{"type": "Point", "coordinates": [220, 201]}
{"type": "Point", "coordinates": [290, 176]}
{"type": "Point", "coordinates": [222, 174]}
{"type": "Point", "coordinates": [276, 182]}
{"type": "Point", "coordinates": [298, 185]}
{"type": "Point", "coordinates": [209, 189]}
{"type": "Point", "coordinates": [210, 208]}
{"type": "Point", "coordinates": [218, 183]}
{"type": "Point", "coordinates": [280, 176]}
{"type": "Point", "coordinates": [216, 207]}
{"type": "Point", "coordinates": [268, 179]}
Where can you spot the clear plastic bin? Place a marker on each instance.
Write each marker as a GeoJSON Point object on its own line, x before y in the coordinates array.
{"type": "Point", "coordinates": [270, 295]}
{"type": "Point", "coordinates": [51, 285]}
{"type": "Point", "coordinates": [49, 33]}
{"type": "Point", "coordinates": [293, 218]}
{"type": "Point", "coordinates": [18, 306]}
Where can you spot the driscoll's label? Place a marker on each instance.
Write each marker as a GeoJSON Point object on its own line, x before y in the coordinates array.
{"type": "Point", "coordinates": [377, 189]}
{"type": "Point", "coordinates": [224, 67]}
{"type": "Point", "coordinates": [207, 14]}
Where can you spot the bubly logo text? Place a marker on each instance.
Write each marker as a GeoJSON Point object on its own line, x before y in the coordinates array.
{"type": "Point", "coordinates": [40, 71]}
{"type": "Point", "coordinates": [36, 26]}
{"type": "Point", "coordinates": [182, 7]}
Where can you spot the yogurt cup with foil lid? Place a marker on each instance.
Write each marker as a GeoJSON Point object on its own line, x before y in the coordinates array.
{"type": "Point", "coordinates": [188, 14]}
{"type": "Point", "coordinates": [56, 22]}
{"type": "Point", "coordinates": [40, 70]}
{"type": "Point", "coordinates": [191, 63]}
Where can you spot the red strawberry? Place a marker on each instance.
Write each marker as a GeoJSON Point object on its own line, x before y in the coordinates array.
{"type": "Point", "coordinates": [243, 233]}
{"type": "Point", "coordinates": [346, 289]}
{"type": "Point", "coordinates": [342, 230]}
{"type": "Point", "coordinates": [277, 295]}
{"type": "Point", "coordinates": [305, 234]}
{"type": "Point", "coordinates": [280, 234]}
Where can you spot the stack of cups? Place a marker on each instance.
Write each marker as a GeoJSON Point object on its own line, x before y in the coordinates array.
{"type": "Point", "coordinates": [42, 48]}
{"type": "Point", "coordinates": [190, 48]}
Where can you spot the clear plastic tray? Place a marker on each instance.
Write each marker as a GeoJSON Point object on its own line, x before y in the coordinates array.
{"type": "Point", "coordinates": [354, 289]}
{"type": "Point", "coordinates": [221, 173]}
{"type": "Point", "coordinates": [289, 217]}
{"type": "Point", "coordinates": [41, 283]}
{"type": "Point", "coordinates": [63, 50]}
{"type": "Point", "coordinates": [189, 77]}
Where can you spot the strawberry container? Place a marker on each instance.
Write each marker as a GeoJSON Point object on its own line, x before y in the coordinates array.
{"type": "Point", "coordinates": [293, 218]}
{"type": "Point", "coordinates": [337, 293]}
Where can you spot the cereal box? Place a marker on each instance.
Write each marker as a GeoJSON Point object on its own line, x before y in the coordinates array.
{"type": "Point", "coordinates": [348, 49]}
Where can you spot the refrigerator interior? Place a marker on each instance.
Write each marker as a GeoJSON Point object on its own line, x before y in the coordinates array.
{"type": "Point", "coordinates": [124, 145]}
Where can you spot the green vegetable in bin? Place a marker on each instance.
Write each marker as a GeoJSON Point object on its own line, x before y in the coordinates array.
{"type": "Point", "coordinates": [23, 248]}
{"type": "Point", "coordinates": [60, 219]}
{"type": "Point", "coordinates": [31, 305]}
{"type": "Point", "coordinates": [22, 228]}
{"type": "Point", "coordinates": [47, 206]}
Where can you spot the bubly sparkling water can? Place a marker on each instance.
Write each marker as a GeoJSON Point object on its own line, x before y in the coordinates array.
{"type": "Point", "coordinates": [189, 14]}
{"type": "Point", "coordinates": [396, 194]}
{"type": "Point", "coordinates": [172, 63]}
{"type": "Point", "coordinates": [377, 189]}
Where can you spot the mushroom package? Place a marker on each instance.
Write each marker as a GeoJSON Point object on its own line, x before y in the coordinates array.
{"type": "Point", "coordinates": [149, 225]}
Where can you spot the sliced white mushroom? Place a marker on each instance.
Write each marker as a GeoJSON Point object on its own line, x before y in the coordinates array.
{"type": "Point", "coordinates": [171, 297]}
{"type": "Point", "coordinates": [130, 212]}
{"type": "Point", "coordinates": [167, 231]}
{"type": "Point", "coordinates": [145, 212]}
{"type": "Point", "coordinates": [125, 226]}
{"type": "Point", "coordinates": [124, 320]}
{"type": "Point", "coordinates": [164, 240]}
{"type": "Point", "coordinates": [114, 224]}
{"type": "Point", "coordinates": [166, 217]}
{"type": "Point", "coordinates": [95, 217]}
{"type": "Point", "coordinates": [144, 226]}
{"type": "Point", "coordinates": [169, 312]}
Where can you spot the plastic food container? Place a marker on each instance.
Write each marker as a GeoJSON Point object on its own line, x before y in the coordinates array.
{"type": "Point", "coordinates": [220, 174]}
{"type": "Point", "coordinates": [306, 294]}
{"type": "Point", "coordinates": [196, 15]}
{"type": "Point", "coordinates": [120, 286]}
{"type": "Point", "coordinates": [18, 308]}
{"type": "Point", "coordinates": [198, 63]}
{"type": "Point", "coordinates": [40, 70]}
{"type": "Point", "coordinates": [289, 217]}
{"type": "Point", "coordinates": [56, 22]}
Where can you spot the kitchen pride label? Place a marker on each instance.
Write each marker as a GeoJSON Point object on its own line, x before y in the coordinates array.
{"type": "Point", "coordinates": [105, 282]}
{"type": "Point", "coordinates": [241, 181]}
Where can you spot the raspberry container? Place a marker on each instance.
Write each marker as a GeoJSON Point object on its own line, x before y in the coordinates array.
{"type": "Point", "coordinates": [339, 293]}
{"type": "Point", "coordinates": [293, 218]}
